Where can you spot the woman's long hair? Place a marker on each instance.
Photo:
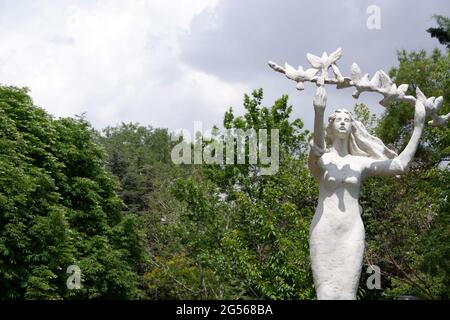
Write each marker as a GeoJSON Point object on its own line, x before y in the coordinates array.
{"type": "Point", "coordinates": [360, 142]}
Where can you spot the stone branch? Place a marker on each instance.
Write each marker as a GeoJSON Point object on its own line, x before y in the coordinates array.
{"type": "Point", "coordinates": [380, 83]}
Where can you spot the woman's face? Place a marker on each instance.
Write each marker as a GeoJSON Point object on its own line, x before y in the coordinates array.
{"type": "Point", "coordinates": [342, 125]}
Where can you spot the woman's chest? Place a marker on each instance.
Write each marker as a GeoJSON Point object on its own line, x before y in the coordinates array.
{"type": "Point", "coordinates": [338, 171]}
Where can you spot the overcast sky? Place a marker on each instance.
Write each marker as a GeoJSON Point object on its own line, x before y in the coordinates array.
{"type": "Point", "coordinates": [170, 63]}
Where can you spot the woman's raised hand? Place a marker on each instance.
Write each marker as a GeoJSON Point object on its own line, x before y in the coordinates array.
{"type": "Point", "coordinates": [420, 111]}
{"type": "Point", "coordinates": [320, 99]}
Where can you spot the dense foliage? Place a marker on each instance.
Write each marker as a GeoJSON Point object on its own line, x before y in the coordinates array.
{"type": "Point", "coordinates": [407, 218]}
{"type": "Point", "coordinates": [442, 31]}
{"type": "Point", "coordinates": [244, 235]}
{"type": "Point", "coordinates": [139, 226]}
{"type": "Point", "coordinates": [59, 207]}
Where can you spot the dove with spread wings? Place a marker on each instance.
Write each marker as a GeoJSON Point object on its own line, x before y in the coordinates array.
{"type": "Point", "coordinates": [323, 63]}
{"type": "Point", "coordinates": [317, 73]}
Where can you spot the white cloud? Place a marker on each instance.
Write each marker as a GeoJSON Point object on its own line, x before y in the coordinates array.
{"type": "Point", "coordinates": [117, 60]}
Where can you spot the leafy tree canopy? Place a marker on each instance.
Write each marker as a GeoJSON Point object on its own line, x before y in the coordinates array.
{"type": "Point", "coordinates": [59, 207]}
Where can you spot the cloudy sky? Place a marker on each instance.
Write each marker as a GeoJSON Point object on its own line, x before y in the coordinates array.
{"type": "Point", "coordinates": [170, 63]}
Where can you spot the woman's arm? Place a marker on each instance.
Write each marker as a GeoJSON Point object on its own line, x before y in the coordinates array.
{"type": "Point", "coordinates": [400, 164]}
{"type": "Point", "coordinates": [318, 143]}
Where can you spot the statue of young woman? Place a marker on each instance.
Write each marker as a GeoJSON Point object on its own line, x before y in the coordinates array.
{"type": "Point", "coordinates": [341, 157]}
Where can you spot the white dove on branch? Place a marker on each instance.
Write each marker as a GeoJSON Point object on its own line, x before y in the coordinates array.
{"type": "Point", "coordinates": [299, 75]}
{"type": "Point", "coordinates": [380, 82]}
{"type": "Point", "coordinates": [318, 72]}
{"type": "Point", "coordinates": [322, 64]}
{"type": "Point", "coordinates": [432, 105]}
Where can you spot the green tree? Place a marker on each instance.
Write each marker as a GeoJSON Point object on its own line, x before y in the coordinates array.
{"type": "Point", "coordinates": [407, 217]}
{"type": "Point", "coordinates": [245, 235]}
{"type": "Point", "coordinates": [140, 158]}
{"type": "Point", "coordinates": [442, 32]}
{"type": "Point", "coordinates": [59, 207]}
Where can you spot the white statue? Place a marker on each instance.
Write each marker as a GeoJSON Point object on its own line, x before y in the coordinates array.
{"type": "Point", "coordinates": [342, 155]}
